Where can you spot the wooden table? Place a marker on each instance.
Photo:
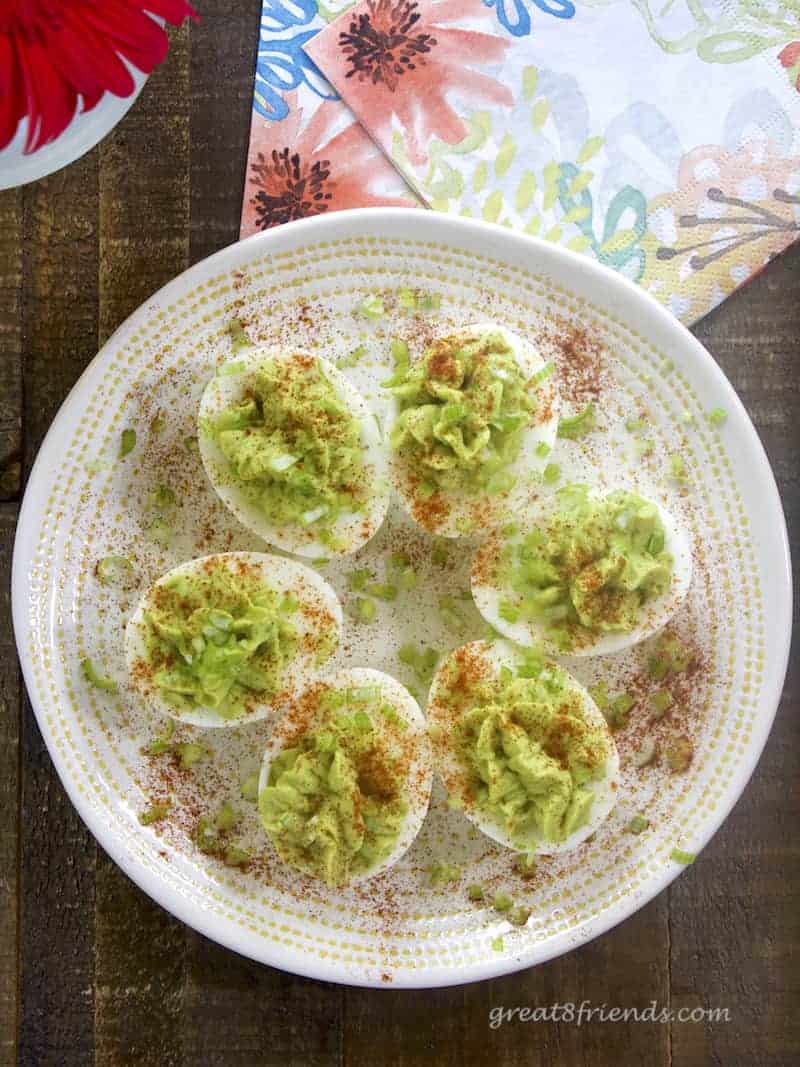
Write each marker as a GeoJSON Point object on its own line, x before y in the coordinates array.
{"type": "Point", "coordinates": [91, 971]}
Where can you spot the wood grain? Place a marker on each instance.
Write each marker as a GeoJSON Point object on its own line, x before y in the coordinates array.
{"type": "Point", "coordinates": [10, 698]}
{"type": "Point", "coordinates": [11, 246]}
{"type": "Point", "coordinates": [57, 861]}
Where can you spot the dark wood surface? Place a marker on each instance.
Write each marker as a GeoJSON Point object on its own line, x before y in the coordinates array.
{"type": "Point", "coordinates": [91, 971]}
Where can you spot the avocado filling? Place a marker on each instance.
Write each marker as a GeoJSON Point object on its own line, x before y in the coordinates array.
{"type": "Point", "coordinates": [591, 571]}
{"type": "Point", "coordinates": [528, 753]}
{"type": "Point", "coordinates": [333, 806]}
{"type": "Point", "coordinates": [463, 410]}
{"type": "Point", "coordinates": [217, 639]}
{"type": "Point", "coordinates": [293, 447]}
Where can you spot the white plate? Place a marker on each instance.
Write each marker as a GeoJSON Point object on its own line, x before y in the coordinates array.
{"type": "Point", "coordinates": [304, 280]}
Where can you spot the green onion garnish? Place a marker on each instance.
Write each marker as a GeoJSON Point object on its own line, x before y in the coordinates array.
{"type": "Point", "coordinates": [93, 677]}
{"type": "Point", "coordinates": [127, 442]}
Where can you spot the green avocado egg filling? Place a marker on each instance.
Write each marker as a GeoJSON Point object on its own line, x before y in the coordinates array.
{"type": "Point", "coordinates": [591, 571]}
{"type": "Point", "coordinates": [333, 805]}
{"type": "Point", "coordinates": [463, 410]}
{"type": "Point", "coordinates": [294, 447]}
{"type": "Point", "coordinates": [530, 754]}
{"type": "Point", "coordinates": [217, 639]}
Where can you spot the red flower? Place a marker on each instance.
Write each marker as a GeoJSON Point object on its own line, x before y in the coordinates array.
{"type": "Point", "coordinates": [790, 58]}
{"type": "Point", "coordinates": [57, 54]}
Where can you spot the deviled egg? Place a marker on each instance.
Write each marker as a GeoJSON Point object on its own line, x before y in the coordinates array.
{"type": "Point", "coordinates": [294, 451]}
{"type": "Point", "coordinates": [473, 418]}
{"type": "Point", "coordinates": [228, 638]}
{"type": "Point", "coordinates": [584, 573]}
{"type": "Point", "coordinates": [521, 747]}
{"type": "Point", "coordinates": [346, 778]}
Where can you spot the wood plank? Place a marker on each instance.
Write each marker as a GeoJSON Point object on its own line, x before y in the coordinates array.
{"type": "Point", "coordinates": [241, 1013]}
{"type": "Point", "coordinates": [734, 919]}
{"type": "Point", "coordinates": [10, 705]}
{"type": "Point", "coordinates": [57, 853]}
{"type": "Point", "coordinates": [10, 343]}
{"type": "Point", "coordinates": [143, 239]}
{"type": "Point", "coordinates": [223, 63]}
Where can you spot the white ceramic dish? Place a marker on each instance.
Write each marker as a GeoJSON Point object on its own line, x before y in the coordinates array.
{"type": "Point", "coordinates": [302, 281]}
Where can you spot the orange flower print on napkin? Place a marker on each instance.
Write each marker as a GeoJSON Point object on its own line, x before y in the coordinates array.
{"type": "Point", "coordinates": [397, 63]}
{"type": "Point", "coordinates": [297, 171]}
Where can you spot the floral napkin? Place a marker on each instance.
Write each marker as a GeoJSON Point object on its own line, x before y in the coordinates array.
{"type": "Point", "coordinates": [308, 154]}
{"type": "Point", "coordinates": [661, 138]}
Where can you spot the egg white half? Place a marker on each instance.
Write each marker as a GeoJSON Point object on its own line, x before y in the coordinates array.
{"type": "Point", "coordinates": [420, 772]}
{"type": "Point", "coordinates": [354, 529]}
{"type": "Point", "coordinates": [495, 655]}
{"type": "Point", "coordinates": [477, 512]}
{"type": "Point", "coordinates": [654, 616]}
{"type": "Point", "coordinates": [284, 576]}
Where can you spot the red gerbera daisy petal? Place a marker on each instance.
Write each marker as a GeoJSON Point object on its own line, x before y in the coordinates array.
{"type": "Point", "coordinates": [53, 52]}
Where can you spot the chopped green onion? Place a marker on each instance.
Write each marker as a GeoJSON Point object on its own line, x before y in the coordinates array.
{"type": "Point", "coordinates": [235, 856]}
{"type": "Point", "coordinates": [680, 856]}
{"type": "Point", "coordinates": [408, 579]}
{"type": "Point", "coordinates": [249, 788]}
{"type": "Point", "coordinates": [679, 754]}
{"type": "Point", "coordinates": [127, 442]}
{"type": "Point", "coordinates": [660, 701]}
{"type": "Point", "coordinates": [362, 720]}
{"type": "Point", "coordinates": [617, 709]}
{"type": "Point", "coordinates": [114, 570]}
{"type": "Point", "coordinates": [383, 591]}
{"type": "Point", "coordinates": [352, 358]}
{"type": "Point", "coordinates": [365, 609]}
{"type": "Point", "coordinates": [442, 873]}
{"type": "Point", "coordinates": [155, 813]}
{"type": "Point", "coordinates": [579, 424]}
{"type": "Point", "coordinates": [238, 335]}
{"type": "Point", "coordinates": [425, 490]}
{"type": "Point", "coordinates": [497, 944]}
{"type": "Point", "coordinates": [227, 817]}
{"type": "Point", "coordinates": [161, 497]}
{"type": "Point", "coordinates": [189, 753]}
{"type": "Point", "coordinates": [429, 301]}
{"type": "Point", "coordinates": [543, 449]}
{"type": "Point", "coordinates": [421, 661]}
{"type": "Point", "coordinates": [372, 307]}
{"type": "Point", "coordinates": [93, 677]}
{"type": "Point", "coordinates": [399, 350]}
{"type": "Point", "coordinates": [677, 467]}
{"type": "Point", "coordinates": [543, 373]}
{"type": "Point", "coordinates": [391, 715]}
{"type": "Point", "coordinates": [551, 473]}
{"type": "Point", "coordinates": [159, 531]}
{"type": "Point", "coordinates": [637, 825]}
{"type": "Point", "coordinates": [406, 299]}
{"type": "Point", "coordinates": [519, 916]}
{"type": "Point", "coordinates": [357, 580]}
{"type": "Point", "coordinates": [508, 612]}
{"type": "Point", "coordinates": [158, 423]}
{"type": "Point", "coordinates": [502, 902]}
{"type": "Point", "coordinates": [717, 416]}
{"type": "Point", "coordinates": [440, 553]}
{"type": "Point", "coordinates": [475, 892]}
{"type": "Point", "coordinates": [599, 694]}
{"type": "Point", "coordinates": [525, 864]}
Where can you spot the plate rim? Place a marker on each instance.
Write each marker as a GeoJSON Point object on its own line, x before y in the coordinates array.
{"type": "Point", "coordinates": [219, 928]}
